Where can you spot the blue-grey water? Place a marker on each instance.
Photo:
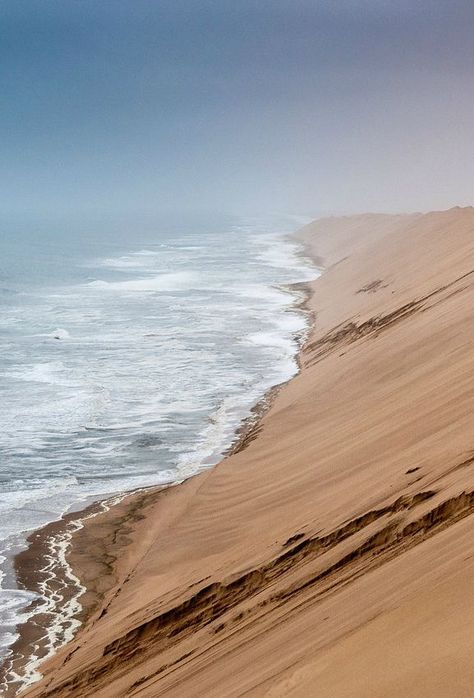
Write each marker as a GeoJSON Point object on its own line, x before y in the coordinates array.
{"type": "Point", "coordinates": [128, 360]}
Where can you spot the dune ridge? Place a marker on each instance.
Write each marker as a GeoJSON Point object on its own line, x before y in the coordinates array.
{"type": "Point", "coordinates": [334, 554]}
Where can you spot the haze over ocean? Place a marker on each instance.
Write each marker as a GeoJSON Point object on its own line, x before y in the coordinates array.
{"type": "Point", "coordinates": [118, 108]}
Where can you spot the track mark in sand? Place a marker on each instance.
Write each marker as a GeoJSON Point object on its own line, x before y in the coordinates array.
{"type": "Point", "coordinates": [463, 464]}
{"type": "Point", "coordinates": [373, 286]}
{"type": "Point", "coordinates": [349, 332]}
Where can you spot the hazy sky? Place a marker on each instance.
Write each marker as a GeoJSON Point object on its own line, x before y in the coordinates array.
{"type": "Point", "coordinates": [305, 106]}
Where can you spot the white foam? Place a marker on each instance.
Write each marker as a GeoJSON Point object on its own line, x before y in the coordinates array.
{"type": "Point", "coordinates": [282, 253]}
{"type": "Point", "coordinates": [54, 601]}
{"type": "Point", "coordinates": [165, 282]}
{"type": "Point", "coordinates": [208, 443]}
{"type": "Point", "coordinates": [37, 491]}
{"type": "Point", "coordinates": [271, 339]}
{"type": "Point", "coordinates": [280, 297]}
{"type": "Point", "coordinates": [134, 260]}
{"type": "Point", "coordinates": [53, 372]}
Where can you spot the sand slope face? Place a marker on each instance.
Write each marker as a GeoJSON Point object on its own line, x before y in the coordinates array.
{"type": "Point", "coordinates": [334, 555]}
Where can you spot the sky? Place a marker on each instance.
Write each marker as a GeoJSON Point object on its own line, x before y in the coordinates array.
{"type": "Point", "coordinates": [115, 108]}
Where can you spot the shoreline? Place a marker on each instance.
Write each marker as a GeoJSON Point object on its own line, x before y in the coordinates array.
{"type": "Point", "coordinates": [345, 527]}
{"type": "Point", "coordinates": [34, 566]}
{"type": "Point", "coordinates": [47, 568]}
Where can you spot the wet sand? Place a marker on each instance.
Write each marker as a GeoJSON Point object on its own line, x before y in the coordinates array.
{"type": "Point", "coordinates": [332, 555]}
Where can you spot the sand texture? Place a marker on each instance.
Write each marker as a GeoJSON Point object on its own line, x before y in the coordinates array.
{"type": "Point", "coordinates": [333, 556]}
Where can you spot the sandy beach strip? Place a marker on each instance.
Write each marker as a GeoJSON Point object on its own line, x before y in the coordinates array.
{"type": "Point", "coordinates": [66, 600]}
{"type": "Point", "coordinates": [333, 554]}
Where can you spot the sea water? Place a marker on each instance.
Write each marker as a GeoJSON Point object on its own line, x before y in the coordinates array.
{"type": "Point", "coordinates": [128, 360]}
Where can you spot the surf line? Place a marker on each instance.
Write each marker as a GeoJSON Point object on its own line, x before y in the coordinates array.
{"type": "Point", "coordinates": [65, 622]}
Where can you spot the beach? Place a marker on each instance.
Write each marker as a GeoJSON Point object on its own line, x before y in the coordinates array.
{"type": "Point", "coordinates": [331, 554]}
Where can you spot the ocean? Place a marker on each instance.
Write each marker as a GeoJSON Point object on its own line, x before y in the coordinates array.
{"type": "Point", "coordinates": [129, 360]}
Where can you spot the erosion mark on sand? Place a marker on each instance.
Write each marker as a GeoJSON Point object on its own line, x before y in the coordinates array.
{"type": "Point", "coordinates": [348, 332]}
{"type": "Point", "coordinates": [212, 602]}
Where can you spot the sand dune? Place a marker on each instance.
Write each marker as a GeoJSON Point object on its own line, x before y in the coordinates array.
{"type": "Point", "coordinates": [334, 554]}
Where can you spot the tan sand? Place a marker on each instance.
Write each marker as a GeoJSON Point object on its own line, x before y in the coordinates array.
{"type": "Point", "coordinates": [334, 555]}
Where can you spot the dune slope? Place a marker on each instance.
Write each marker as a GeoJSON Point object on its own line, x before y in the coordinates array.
{"type": "Point", "coordinates": [334, 554]}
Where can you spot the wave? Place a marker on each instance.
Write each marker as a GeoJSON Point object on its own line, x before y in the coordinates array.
{"type": "Point", "coordinates": [271, 339]}
{"type": "Point", "coordinates": [177, 281]}
{"type": "Point", "coordinates": [134, 260]}
{"type": "Point", "coordinates": [278, 296]}
{"type": "Point", "coordinates": [52, 372]}
{"type": "Point", "coordinates": [210, 442]}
